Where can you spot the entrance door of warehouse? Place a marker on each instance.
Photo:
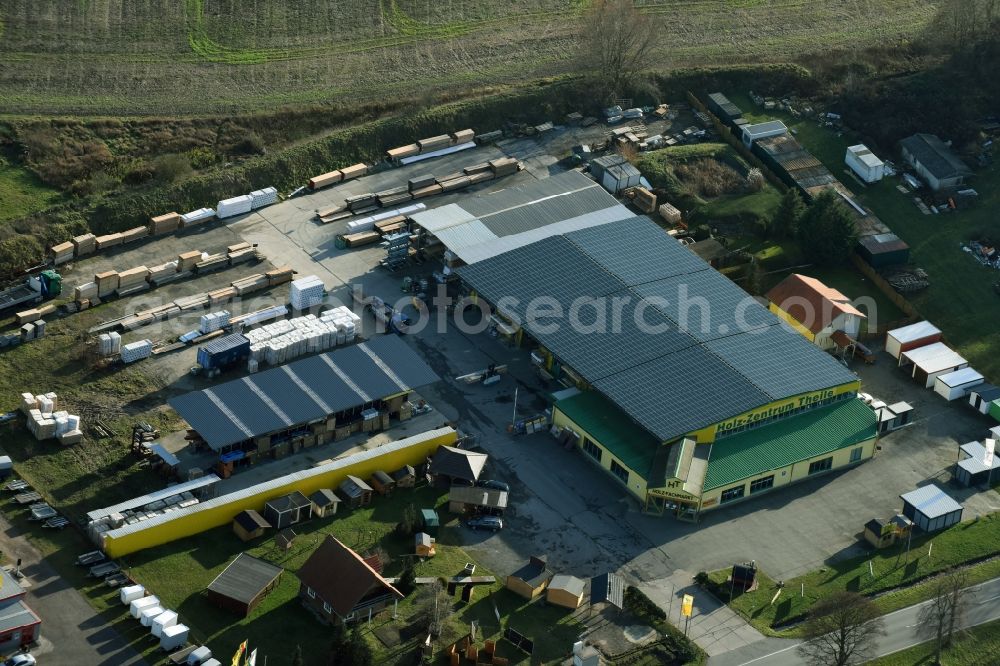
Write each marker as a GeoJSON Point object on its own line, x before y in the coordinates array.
{"type": "Point", "coordinates": [682, 509]}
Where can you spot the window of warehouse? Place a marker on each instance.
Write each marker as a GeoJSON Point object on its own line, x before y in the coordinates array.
{"type": "Point", "coordinates": [592, 449]}
{"type": "Point", "coordinates": [619, 471]}
{"type": "Point", "coordinates": [761, 484]}
{"type": "Point", "coordinates": [732, 494]}
{"type": "Point", "coordinates": [856, 454]}
{"type": "Point", "coordinates": [820, 465]}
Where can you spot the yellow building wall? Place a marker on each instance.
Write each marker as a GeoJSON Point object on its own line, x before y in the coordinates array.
{"type": "Point", "coordinates": [636, 483]}
{"type": "Point", "coordinates": [792, 321]}
{"type": "Point", "coordinates": [789, 474]}
{"type": "Point", "coordinates": [218, 512]}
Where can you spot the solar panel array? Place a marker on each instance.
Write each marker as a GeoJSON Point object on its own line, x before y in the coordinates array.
{"type": "Point", "coordinates": [682, 347]}
{"type": "Point", "coordinates": [303, 391]}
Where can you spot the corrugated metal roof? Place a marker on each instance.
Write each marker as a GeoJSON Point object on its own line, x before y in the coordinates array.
{"type": "Point", "coordinates": [274, 486]}
{"type": "Point", "coordinates": [934, 357]}
{"type": "Point", "coordinates": [763, 128]}
{"type": "Point", "coordinates": [275, 400]}
{"type": "Point", "coordinates": [630, 271]}
{"type": "Point", "coordinates": [807, 435]}
{"type": "Point", "coordinates": [244, 578]}
{"type": "Point", "coordinates": [143, 500]}
{"type": "Point", "coordinates": [977, 454]}
{"type": "Point", "coordinates": [931, 501]}
{"type": "Point", "coordinates": [918, 331]}
{"type": "Point", "coordinates": [436, 219]}
{"type": "Point", "coordinates": [461, 236]}
{"type": "Point", "coordinates": [962, 377]}
{"type": "Point", "coordinates": [17, 615]}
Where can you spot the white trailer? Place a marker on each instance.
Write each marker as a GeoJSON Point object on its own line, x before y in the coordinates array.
{"type": "Point", "coordinates": [864, 163]}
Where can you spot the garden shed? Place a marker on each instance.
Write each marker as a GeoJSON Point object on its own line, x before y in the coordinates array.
{"type": "Point", "coordinates": [243, 584]}
{"type": "Point", "coordinates": [955, 385]}
{"type": "Point", "coordinates": [324, 502]}
{"type": "Point", "coordinates": [910, 337]}
{"type": "Point", "coordinates": [288, 510]}
{"type": "Point", "coordinates": [355, 491]}
{"type": "Point", "coordinates": [931, 361]}
{"type": "Point", "coordinates": [530, 580]}
{"type": "Point", "coordinates": [980, 463]}
{"type": "Point", "coordinates": [931, 509]}
{"type": "Point", "coordinates": [249, 525]}
{"type": "Point", "coordinates": [982, 395]}
{"type": "Point", "coordinates": [565, 591]}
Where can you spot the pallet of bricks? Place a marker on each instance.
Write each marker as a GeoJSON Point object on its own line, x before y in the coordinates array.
{"type": "Point", "coordinates": [45, 421]}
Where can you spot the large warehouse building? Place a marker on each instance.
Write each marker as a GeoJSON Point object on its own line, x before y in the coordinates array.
{"type": "Point", "coordinates": [692, 395]}
{"type": "Point", "coordinates": [480, 227]}
{"type": "Point", "coordinates": [307, 402]}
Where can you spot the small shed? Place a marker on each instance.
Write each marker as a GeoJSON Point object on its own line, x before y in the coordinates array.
{"type": "Point", "coordinates": [980, 464]}
{"type": "Point", "coordinates": [763, 130]}
{"type": "Point", "coordinates": [931, 509]}
{"type": "Point", "coordinates": [6, 467]}
{"type": "Point", "coordinates": [324, 502]}
{"type": "Point", "coordinates": [424, 545]}
{"type": "Point", "coordinates": [994, 409]}
{"type": "Point", "coordinates": [243, 584]}
{"type": "Point", "coordinates": [530, 580]}
{"type": "Point", "coordinates": [893, 417]}
{"type": "Point", "coordinates": [981, 396]}
{"type": "Point", "coordinates": [864, 163]}
{"type": "Point", "coordinates": [955, 385]}
{"type": "Point", "coordinates": [249, 525]}
{"type": "Point", "coordinates": [910, 337]}
{"type": "Point", "coordinates": [883, 533]}
{"type": "Point", "coordinates": [473, 499]}
{"type": "Point", "coordinates": [355, 492]}
{"type": "Point", "coordinates": [288, 510]}
{"type": "Point", "coordinates": [931, 361]}
{"type": "Point", "coordinates": [450, 464]}
{"type": "Point", "coordinates": [607, 588]}
{"type": "Point", "coordinates": [429, 521]}
{"type": "Point", "coordinates": [621, 177]}
{"type": "Point", "coordinates": [881, 250]}
{"type": "Point", "coordinates": [382, 483]}
{"type": "Point", "coordinates": [405, 477]}
{"type": "Point", "coordinates": [284, 539]}
{"type": "Point", "coordinates": [565, 591]}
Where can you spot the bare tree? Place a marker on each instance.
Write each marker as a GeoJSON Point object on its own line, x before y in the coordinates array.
{"type": "Point", "coordinates": [434, 606]}
{"type": "Point", "coordinates": [618, 40]}
{"type": "Point", "coordinates": [945, 609]}
{"type": "Point", "coordinates": [841, 630]}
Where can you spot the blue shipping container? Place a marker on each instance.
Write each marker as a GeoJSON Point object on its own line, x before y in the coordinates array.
{"type": "Point", "coordinates": [224, 352]}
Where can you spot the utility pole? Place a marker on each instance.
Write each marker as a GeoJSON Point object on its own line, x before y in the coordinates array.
{"type": "Point", "coordinates": [513, 418]}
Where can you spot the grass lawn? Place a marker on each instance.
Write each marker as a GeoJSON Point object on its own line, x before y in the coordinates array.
{"type": "Point", "coordinates": [976, 645]}
{"type": "Point", "coordinates": [968, 541]}
{"type": "Point", "coordinates": [179, 572]}
{"type": "Point", "coordinates": [960, 300]}
{"type": "Point", "coordinates": [21, 192]}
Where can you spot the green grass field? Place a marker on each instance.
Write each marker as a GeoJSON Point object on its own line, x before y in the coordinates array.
{"type": "Point", "coordinates": [893, 579]}
{"type": "Point", "coordinates": [201, 56]}
{"type": "Point", "coordinates": [22, 193]}
{"type": "Point", "coordinates": [976, 645]}
{"type": "Point", "coordinates": [961, 300]}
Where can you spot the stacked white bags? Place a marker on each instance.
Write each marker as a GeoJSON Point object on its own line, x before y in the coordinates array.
{"type": "Point", "coordinates": [285, 340]}
{"type": "Point", "coordinates": [197, 216]}
{"type": "Point", "coordinates": [136, 351]}
{"type": "Point", "coordinates": [264, 197]}
{"type": "Point", "coordinates": [306, 292]}
{"type": "Point", "coordinates": [214, 321]}
{"type": "Point", "coordinates": [45, 422]}
{"type": "Point", "coordinates": [109, 344]}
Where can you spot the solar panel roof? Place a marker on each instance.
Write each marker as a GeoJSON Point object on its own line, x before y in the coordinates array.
{"type": "Point", "coordinates": [303, 391]}
{"type": "Point", "coordinates": [673, 365]}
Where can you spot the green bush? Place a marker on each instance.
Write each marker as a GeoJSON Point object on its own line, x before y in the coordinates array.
{"type": "Point", "coordinates": [637, 603]}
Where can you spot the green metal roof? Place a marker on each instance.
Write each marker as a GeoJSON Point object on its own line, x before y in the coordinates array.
{"type": "Point", "coordinates": [616, 432]}
{"type": "Point", "coordinates": [791, 440]}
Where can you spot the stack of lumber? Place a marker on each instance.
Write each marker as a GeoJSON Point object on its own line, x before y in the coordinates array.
{"type": "Point", "coordinates": [62, 252]}
{"type": "Point", "coordinates": [34, 314]}
{"type": "Point", "coordinates": [250, 284]}
{"type": "Point", "coordinates": [394, 196]}
{"type": "Point", "coordinates": [213, 262]}
{"type": "Point", "coordinates": [85, 292]}
{"type": "Point", "coordinates": [504, 166]}
{"type": "Point", "coordinates": [354, 171]}
{"type": "Point", "coordinates": [134, 234]}
{"type": "Point", "coordinates": [325, 180]}
{"type": "Point", "coordinates": [644, 200]}
{"type": "Point", "coordinates": [434, 143]}
{"type": "Point", "coordinates": [362, 238]}
{"type": "Point", "coordinates": [403, 151]}
{"type": "Point", "coordinates": [186, 261]}
{"type": "Point", "coordinates": [219, 296]}
{"type": "Point", "coordinates": [164, 224]}
{"type": "Point", "coordinates": [420, 182]}
{"type": "Point", "coordinates": [428, 191]}
{"type": "Point", "coordinates": [195, 302]}
{"type": "Point", "coordinates": [130, 280]}
{"type": "Point", "coordinates": [462, 136]}
{"type": "Point", "coordinates": [163, 273]}
{"type": "Point", "coordinates": [85, 244]}
{"type": "Point", "coordinates": [391, 225]}
{"type": "Point", "coordinates": [107, 241]}
{"type": "Point", "coordinates": [107, 283]}
{"type": "Point", "coordinates": [455, 181]}
{"type": "Point", "coordinates": [279, 276]}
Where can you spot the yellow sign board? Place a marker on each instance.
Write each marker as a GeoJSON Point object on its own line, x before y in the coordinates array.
{"type": "Point", "coordinates": [672, 493]}
{"type": "Point", "coordinates": [687, 603]}
{"type": "Point", "coordinates": [783, 407]}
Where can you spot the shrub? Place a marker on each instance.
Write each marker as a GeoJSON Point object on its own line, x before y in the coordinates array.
{"type": "Point", "coordinates": [637, 603]}
{"type": "Point", "coordinates": [709, 177]}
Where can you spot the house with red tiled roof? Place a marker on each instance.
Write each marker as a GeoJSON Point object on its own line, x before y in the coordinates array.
{"type": "Point", "coordinates": [822, 314]}
{"type": "Point", "coordinates": [339, 585]}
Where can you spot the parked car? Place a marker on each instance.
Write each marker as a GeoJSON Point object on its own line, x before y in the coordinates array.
{"type": "Point", "coordinates": [22, 659]}
{"type": "Point", "coordinates": [485, 523]}
{"type": "Point", "coordinates": [493, 485]}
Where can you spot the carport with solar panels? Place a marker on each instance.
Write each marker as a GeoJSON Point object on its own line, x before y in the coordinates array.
{"type": "Point", "coordinates": [305, 403]}
{"type": "Point", "coordinates": [684, 361]}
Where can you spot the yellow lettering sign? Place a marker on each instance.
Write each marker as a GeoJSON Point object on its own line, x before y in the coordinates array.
{"type": "Point", "coordinates": [779, 409]}
{"type": "Point", "coordinates": [687, 604]}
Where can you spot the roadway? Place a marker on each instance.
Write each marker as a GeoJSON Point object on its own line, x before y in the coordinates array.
{"type": "Point", "coordinates": [901, 632]}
